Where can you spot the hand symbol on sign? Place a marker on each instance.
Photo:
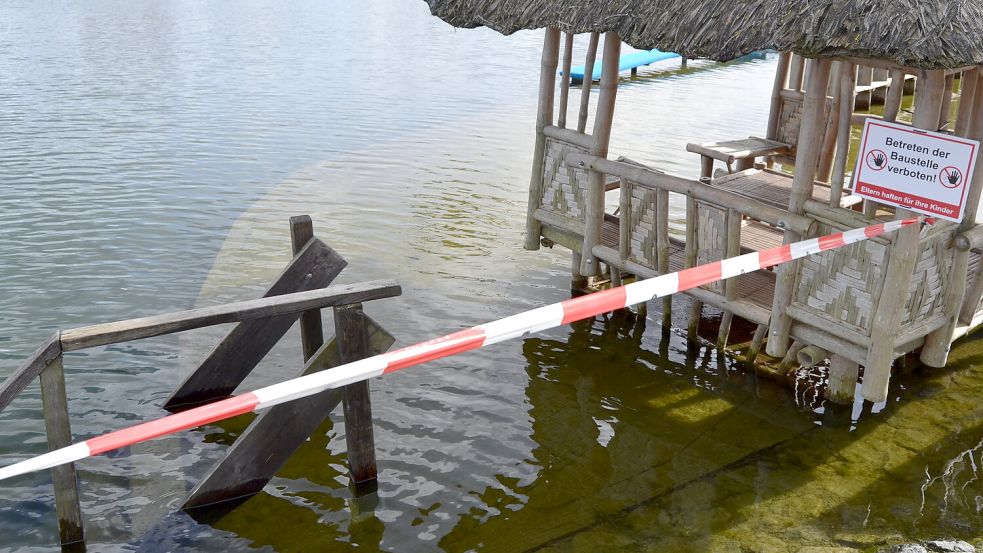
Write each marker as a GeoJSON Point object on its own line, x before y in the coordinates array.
{"type": "Point", "coordinates": [953, 177]}
{"type": "Point", "coordinates": [879, 159]}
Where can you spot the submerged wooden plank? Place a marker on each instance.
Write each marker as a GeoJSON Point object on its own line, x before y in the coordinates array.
{"type": "Point", "coordinates": [30, 369]}
{"type": "Point", "coordinates": [276, 433]}
{"type": "Point", "coordinates": [353, 344]}
{"type": "Point", "coordinates": [59, 432]}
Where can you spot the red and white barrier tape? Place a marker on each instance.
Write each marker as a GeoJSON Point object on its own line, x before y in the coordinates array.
{"type": "Point", "coordinates": [482, 335]}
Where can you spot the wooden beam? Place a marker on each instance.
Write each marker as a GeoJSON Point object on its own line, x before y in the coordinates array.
{"type": "Point", "coordinates": [585, 88]}
{"type": "Point", "coordinates": [30, 369]}
{"type": "Point", "coordinates": [232, 360]}
{"type": "Point", "coordinates": [848, 83]}
{"type": "Point", "coordinates": [806, 160]}
{"type": "Point", "coordinates": [603, 119]}
{"type": "Point", "coordinates": [353, 345]}
{"type": "Point", "coordinates": [781, 81]}
{"type": "Point", "coordinates": [901, 260]}
{"type": "Point", "coordinates": [561, 120]}
{"type": "Point", "coordinates": [58, 428]}
{"type": "Point", "coordinates": [544, 117]}
{"type": "Point", "coordinates": [276, 433]}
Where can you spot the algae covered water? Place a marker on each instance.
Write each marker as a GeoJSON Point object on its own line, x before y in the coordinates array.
{"type": "Point", "coordinates": [150, 156]}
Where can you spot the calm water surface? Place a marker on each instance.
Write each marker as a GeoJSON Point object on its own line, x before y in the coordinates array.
{"type": "Point", "coordinates": [150, 156]}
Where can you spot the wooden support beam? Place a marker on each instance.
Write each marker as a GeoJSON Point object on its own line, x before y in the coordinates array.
{"type": "Point", "coordinates": [806, 160]}
{"type": "Point", "coordinates": [935, 353]}
{"type": "Point", "coordinates": [830, 142]}
{"type": "Point", "coordinates": [848, 85]}
{"type": "Point", "coordinates": [353, 344]}
{"type": "Point", "coordinates": [895, 94]}
{"type": "Point", "coordinates": [967, 99]}
{"type": "Point", "coordinates": [243, 348]}
{"type": "Point", "coordinates": [781, 81]}
{"type": "Point", "coordinates": [561, 120]}
{"type": "Point", "coordinates": [58, 428]}
{"type": "Point", "coordinates": [732, 249]}
{"type": "Point", "coordinates": [756, 341]}
{"type": "Point", "coordinates": [901, 261]}
{"type": "Point", "coordinates": [603, 119]}
{"type": "Point", "coordinates": [311, 331]}
{"type": "Point", "coordinates": [796, 72]}
{"type": "Point", "coordinates": [662, 251]}
{"type": "Point", "coordinates": [30, 369]}
{"type": "Point", "coordinates": [842, 382]}
{"type": "Point", "coordinates": [585, 88]}
{"type": "Point", "coordinates": [277, 432]}
{"type": "Point", "coordinates": [544, 117]}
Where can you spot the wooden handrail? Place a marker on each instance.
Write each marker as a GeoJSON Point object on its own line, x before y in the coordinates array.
{"type": "Point", "coordinates": [695, 189]}
{"type": "Point", "coordinates": [30, 369]}
{"type": "Point", "coordinates": [157, 325]}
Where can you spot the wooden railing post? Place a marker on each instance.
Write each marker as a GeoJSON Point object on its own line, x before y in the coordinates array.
{"type": "Point", "coordinates": [353, 344]}
{"type": "Point", "coordinates": [311, 333]}
{"type": "Point", "coordinates": [59, 431]}
{"type": "Point", "coordinates": [806, 160]}
{"type": "Point", "coordinates": [603, 119]}
{"type": "Point", "coordinates": [544, 117]}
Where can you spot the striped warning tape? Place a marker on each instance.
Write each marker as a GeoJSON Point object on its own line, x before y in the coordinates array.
{"type": "Point", "coordinates": [482, 335]}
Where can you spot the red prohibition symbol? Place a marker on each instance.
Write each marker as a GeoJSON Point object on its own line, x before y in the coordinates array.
{"type": "Point", "coordinates": [950, 177]}
{"type": "Point", "coordinates": [876, 160]}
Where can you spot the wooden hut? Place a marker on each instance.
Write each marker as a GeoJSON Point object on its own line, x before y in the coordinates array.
{"type": "Point", "coordinates": [862, 305]}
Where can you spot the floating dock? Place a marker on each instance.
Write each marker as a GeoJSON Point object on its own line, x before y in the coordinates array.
{"type": "Point", "coordinates": [628, 61]}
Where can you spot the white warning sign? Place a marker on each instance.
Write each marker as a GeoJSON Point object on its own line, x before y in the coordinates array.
{"type": "Point", "coordinates": [923, 171]}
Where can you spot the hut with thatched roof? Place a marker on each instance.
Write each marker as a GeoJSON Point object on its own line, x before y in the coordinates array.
{"type": "Point", "coordinates": [862, 305]}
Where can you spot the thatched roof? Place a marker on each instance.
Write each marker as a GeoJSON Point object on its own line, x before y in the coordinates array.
{"type": "Point", "coordinates": [929, 34]}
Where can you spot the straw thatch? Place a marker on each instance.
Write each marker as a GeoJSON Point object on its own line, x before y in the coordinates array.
{"type": "Point", "coordinates": [929, 34]}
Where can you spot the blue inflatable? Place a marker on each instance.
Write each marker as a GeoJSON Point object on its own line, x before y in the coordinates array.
{"type": "Point", "coordinates": [628, 61]}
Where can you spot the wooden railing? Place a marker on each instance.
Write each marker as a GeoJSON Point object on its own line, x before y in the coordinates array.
{"type": "Point", "coordinates": [299, 292]}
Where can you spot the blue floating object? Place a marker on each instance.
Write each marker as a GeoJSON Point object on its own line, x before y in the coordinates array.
{"type": "Point", "coordinates": [628, 61]}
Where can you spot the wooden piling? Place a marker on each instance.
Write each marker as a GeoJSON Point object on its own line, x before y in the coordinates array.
{"type": "Point", "coordinates": [353, 344]}
{"type": "Point", "coordinates": [603, 118]}
{"type": "Point", "coordinates": [901, 262]}
{"type": "Point", "coordinates": [544, 117]}
{"type": "Point", "coordinates": [59, 432]}
{"type": "Point", "coordinates": [842, 382]}
{"type": "Point", "coordinates": [662, 250]}
{"type": "Point", "coordinates": [806, 159]}
{"type": "Point", "coordinates": [756, 341]}
{"type": "Point", "coordinates": [827, 153]}
{"type": "Point", "coordinates": [733, 248]}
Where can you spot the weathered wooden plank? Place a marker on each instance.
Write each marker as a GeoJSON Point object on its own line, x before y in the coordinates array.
{"type": "Point", "coordinates": [276, 433]}
{"type": "Point", "coordinates": [59, 431]}
{"type": "Point", "coordinates": [307, 273]}
{"type": "Point", "coordinates": [352, 335]}
{"type": "Point", "coordinates": [30, 369]}
{"type": "Point", "coordinates": [245, 346]}
{"type": "Point", "coordinates": [241, 350]}
{"type": "Point", "coordinates": [311, 332]}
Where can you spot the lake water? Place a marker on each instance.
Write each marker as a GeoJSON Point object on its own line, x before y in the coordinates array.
{"type": "Point", "coordinates": [150, 156]}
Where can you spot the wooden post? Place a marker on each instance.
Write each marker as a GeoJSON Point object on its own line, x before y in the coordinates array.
{"type": "Point", "coordinates": [848, 86]}
{"type": "Point", "coordinates": [561, 120]}
{"type": "Point", "coordinates": [277, 432]}
{"type": "Point", "coordinates": [733, 248]}
{"type": "Point", "coordinates": [578, 282]}
{"type": "Point", "coordinates": [950, 81]}
{"type": "Point", "coordinates": [864, 77]}
{"type": "Point", "coordinates": [756, 340]}
{"type": "Point", "coordinates": [781, 80]}
{"type": "Point", "coordinates": [662, 247]}
{"type": "Point", "coordinates": [601, 135]}
{"type": "Point", "coordinates": [588, 80]}
{"type": "Point", "coordinates": [967, 96]}
{"type": "Point", "coordinates": [796, 72]}
{"type": "Point", "coordinates": [59, 431]}
{"type": "Point", "coordinates": [353, 344]}
{"type": "Point", "coordinates": [842, 384]}
{"type": "Point", "coordinates": [935, 353]}
{"type": "Point", "coordinates": [831, 134]}
{"type": "Point", "coordinates": [895, 93]}
{"type": "Point", "coordinates": [544, 117]}
{"type": "Point", "coordinates": [806, 159]}
{"type": "Point", "coordinates": [691, 250]}
{"type": "Point", "coordinates": [311, 332]}
{"type": "Point", "coordinates": [901, 261]}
